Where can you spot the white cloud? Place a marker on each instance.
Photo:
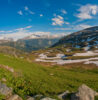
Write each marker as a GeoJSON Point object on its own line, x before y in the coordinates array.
{"type": "Point", "coordinates": [54, 14]}
{"type": "Point", "coordinates": [20, 12]}
{"type": "Point", "coordinates": [87, 11]}
{"type": "Point", "coordinates": [26, 8]}
{"type": "Point", "coordinates": [63, 11]}
{"type": "Point", "coordinates": [2, 31]}
{"type": "Point", "coordinates": [63, 29]}
{"type": "Point", "coordinates": [21, 33]}
{"type": "Point", "coordinates": [40, 33]}
{"type": "Point", "coordinates": [75, 27]}
{"type": "Point", "coordinates": [58, 20]}
{"type": "Point", "coordinates": [81, 26]}
{"type": "Point", "coordinates": [28, 27]}
{"type": "Point", "coordinates": [21, 29]}
{"type": "Point", "coordinates": [67, 23]}
{"type": "Point", "coordinates": [41, 15]}
{"type": "Point", "coordinates": [32, 13]}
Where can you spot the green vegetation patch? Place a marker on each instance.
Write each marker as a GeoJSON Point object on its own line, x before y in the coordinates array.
{"type": "Point", "coordinates": [49, 81]}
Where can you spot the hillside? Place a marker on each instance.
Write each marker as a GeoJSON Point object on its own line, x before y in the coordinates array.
{"type": "Point", "coordinates": [30, 44]}
{"type": "Point", "coordinates": [11, 51]}
{"type": "Point", "coordinates": [50, 81]}
{"type": "Point", "coordinates": [49, 72]}
{"type": "Point", "coordinates": [84, 38]}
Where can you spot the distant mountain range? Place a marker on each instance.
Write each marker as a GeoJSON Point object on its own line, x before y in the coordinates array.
{"type": "Point", "coordinates": [84, 38]}
{"type": "Point", "coordinates": [32, 42]}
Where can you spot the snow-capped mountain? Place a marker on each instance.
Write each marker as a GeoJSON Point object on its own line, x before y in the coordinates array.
{"type": "Point", "coordinates": [42, 36]}
{"type": "Point", "coordinates": [32, 41]}
{"type": "Point", "coordinates": [30, 35]}
{"type": "Point", "coordinates": [84, 38]}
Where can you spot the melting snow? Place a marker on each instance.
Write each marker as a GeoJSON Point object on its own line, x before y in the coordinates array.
{"type": "Point", "coordinates": [59, 58]}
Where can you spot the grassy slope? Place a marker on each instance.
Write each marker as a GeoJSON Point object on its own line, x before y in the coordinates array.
{"type": "Point", "coordinates": [38, 79]}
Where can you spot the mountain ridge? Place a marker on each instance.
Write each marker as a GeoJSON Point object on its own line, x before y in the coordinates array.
{"type": "Point", "coordinates": [87, 37]}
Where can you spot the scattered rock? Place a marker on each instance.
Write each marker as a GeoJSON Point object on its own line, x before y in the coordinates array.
{"type": "Point", "coordinates": [63, 95]}
{"type": "Point", "coordinates": [38, 96]}
{"type": "Point", "coordinates": [51, 74]}
{"type": "Point", "coordinates": [30, 98]}
{"type": "Point", "coordinates": [84, 93]}
{"type": "Point", "coordinates": [3, 79]}
{"type": "Point", "coordinates": [7, 68]}
{"type": "Point", "coordinates": [47, 98]}
{"type": "Point", "coordinates": [4, 90]}
{"type": "Point", "coordinates": [15, 97]}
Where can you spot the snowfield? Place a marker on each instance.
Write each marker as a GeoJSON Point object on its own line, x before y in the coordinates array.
{"type": "Point", "coordinates": [59, 58]}
{"type": "Point", "coordinates": [88, 53]}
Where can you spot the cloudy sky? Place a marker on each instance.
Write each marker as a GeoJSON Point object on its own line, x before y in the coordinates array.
{"type": "Point", "coordinates": [20, 18]}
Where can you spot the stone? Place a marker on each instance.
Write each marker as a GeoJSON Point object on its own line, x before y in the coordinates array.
{"type": "Point", "coordinates": [30, 98]}
{"type": "Point", "coordinates": [3, 79]}
{"type": "Point", "coordinates": [84, 93]}
{"type": "Point", "coordinates": [39, 96]}
{"type": "Point", "coordinates": [4, 90]}
{"type": "Point", "coordinates": [63, 96]}
{"type": "Point", "coordinates": [47, 98]}
{"type": "Point", "coordinates": [15, 97]}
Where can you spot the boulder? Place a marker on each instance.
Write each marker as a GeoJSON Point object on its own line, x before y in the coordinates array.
{"type": "Point", "coordinates": [15, 97]}
{"type": "Point", "coordinates": [3, 80]}
{"type": "Point", "coordinates": [4, 90]}
{"type": "Point", "coordinates": [84, 93]}
{"type": "Point", "coordinates": [30, 98]}
{"type": "Point", "coordinates": [39, 96]}
{"type": "Point", "coordinates": [63, 96]}
{"type": "Point", "coordinates": [47, 98]}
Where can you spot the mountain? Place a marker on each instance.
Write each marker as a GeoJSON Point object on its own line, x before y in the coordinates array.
{"type": "Point", "coordinates": [32, 42]}
{"type": "Point", "coordinates": [40, 35]}
{"type": "Point", "coordinates": [11, 51]}
{"type": "Point", "coordinates": [84, 38]}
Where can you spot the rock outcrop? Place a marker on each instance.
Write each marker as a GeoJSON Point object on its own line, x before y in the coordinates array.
{"type": "Point", "coordinates": [15, 97]}
{"type": "Point", "coordinates": [47, 98]}
{"type": "Point", "coordinates": [7, 68]}
{"type": "Point", "coordinates": [8, 93]}
{"type": "Point", "coordinates": [84, 93]}
{"type": "Point", "coordinates": [63, 96]}
{"type": "Point", "coordinates": [4, 90]}
{"type": "Point", "coordinates": [30, 98]}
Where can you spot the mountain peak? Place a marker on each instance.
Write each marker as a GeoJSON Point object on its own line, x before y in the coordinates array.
{"type": "Point", "coordinates": [87, 37]}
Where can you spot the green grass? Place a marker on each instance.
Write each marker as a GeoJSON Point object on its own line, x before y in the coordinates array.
{"type": "Point", "coordinates": [1, 97]}
{"type": "Point", "coordinates": [49, 81]}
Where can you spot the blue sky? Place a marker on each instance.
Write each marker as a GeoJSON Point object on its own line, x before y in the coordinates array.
{"type": "Point", "coordinates": [23, 17]}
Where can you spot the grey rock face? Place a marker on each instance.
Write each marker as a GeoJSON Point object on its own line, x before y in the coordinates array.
{"type": "Point", "coordinates": [63, 95]}
{"type": "Point", "coordinates": [15, 97]}
{"type": "Point", "coordinates": [84, 93]}
{"type": "Point", "coordinates": [4, 90]}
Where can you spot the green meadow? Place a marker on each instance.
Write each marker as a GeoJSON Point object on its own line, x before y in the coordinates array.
{"type": "Point", "coordinates": [32, 78]}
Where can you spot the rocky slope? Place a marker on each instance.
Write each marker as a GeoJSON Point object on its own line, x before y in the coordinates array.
{"type": "Point", "coordinates": [84, 38]}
